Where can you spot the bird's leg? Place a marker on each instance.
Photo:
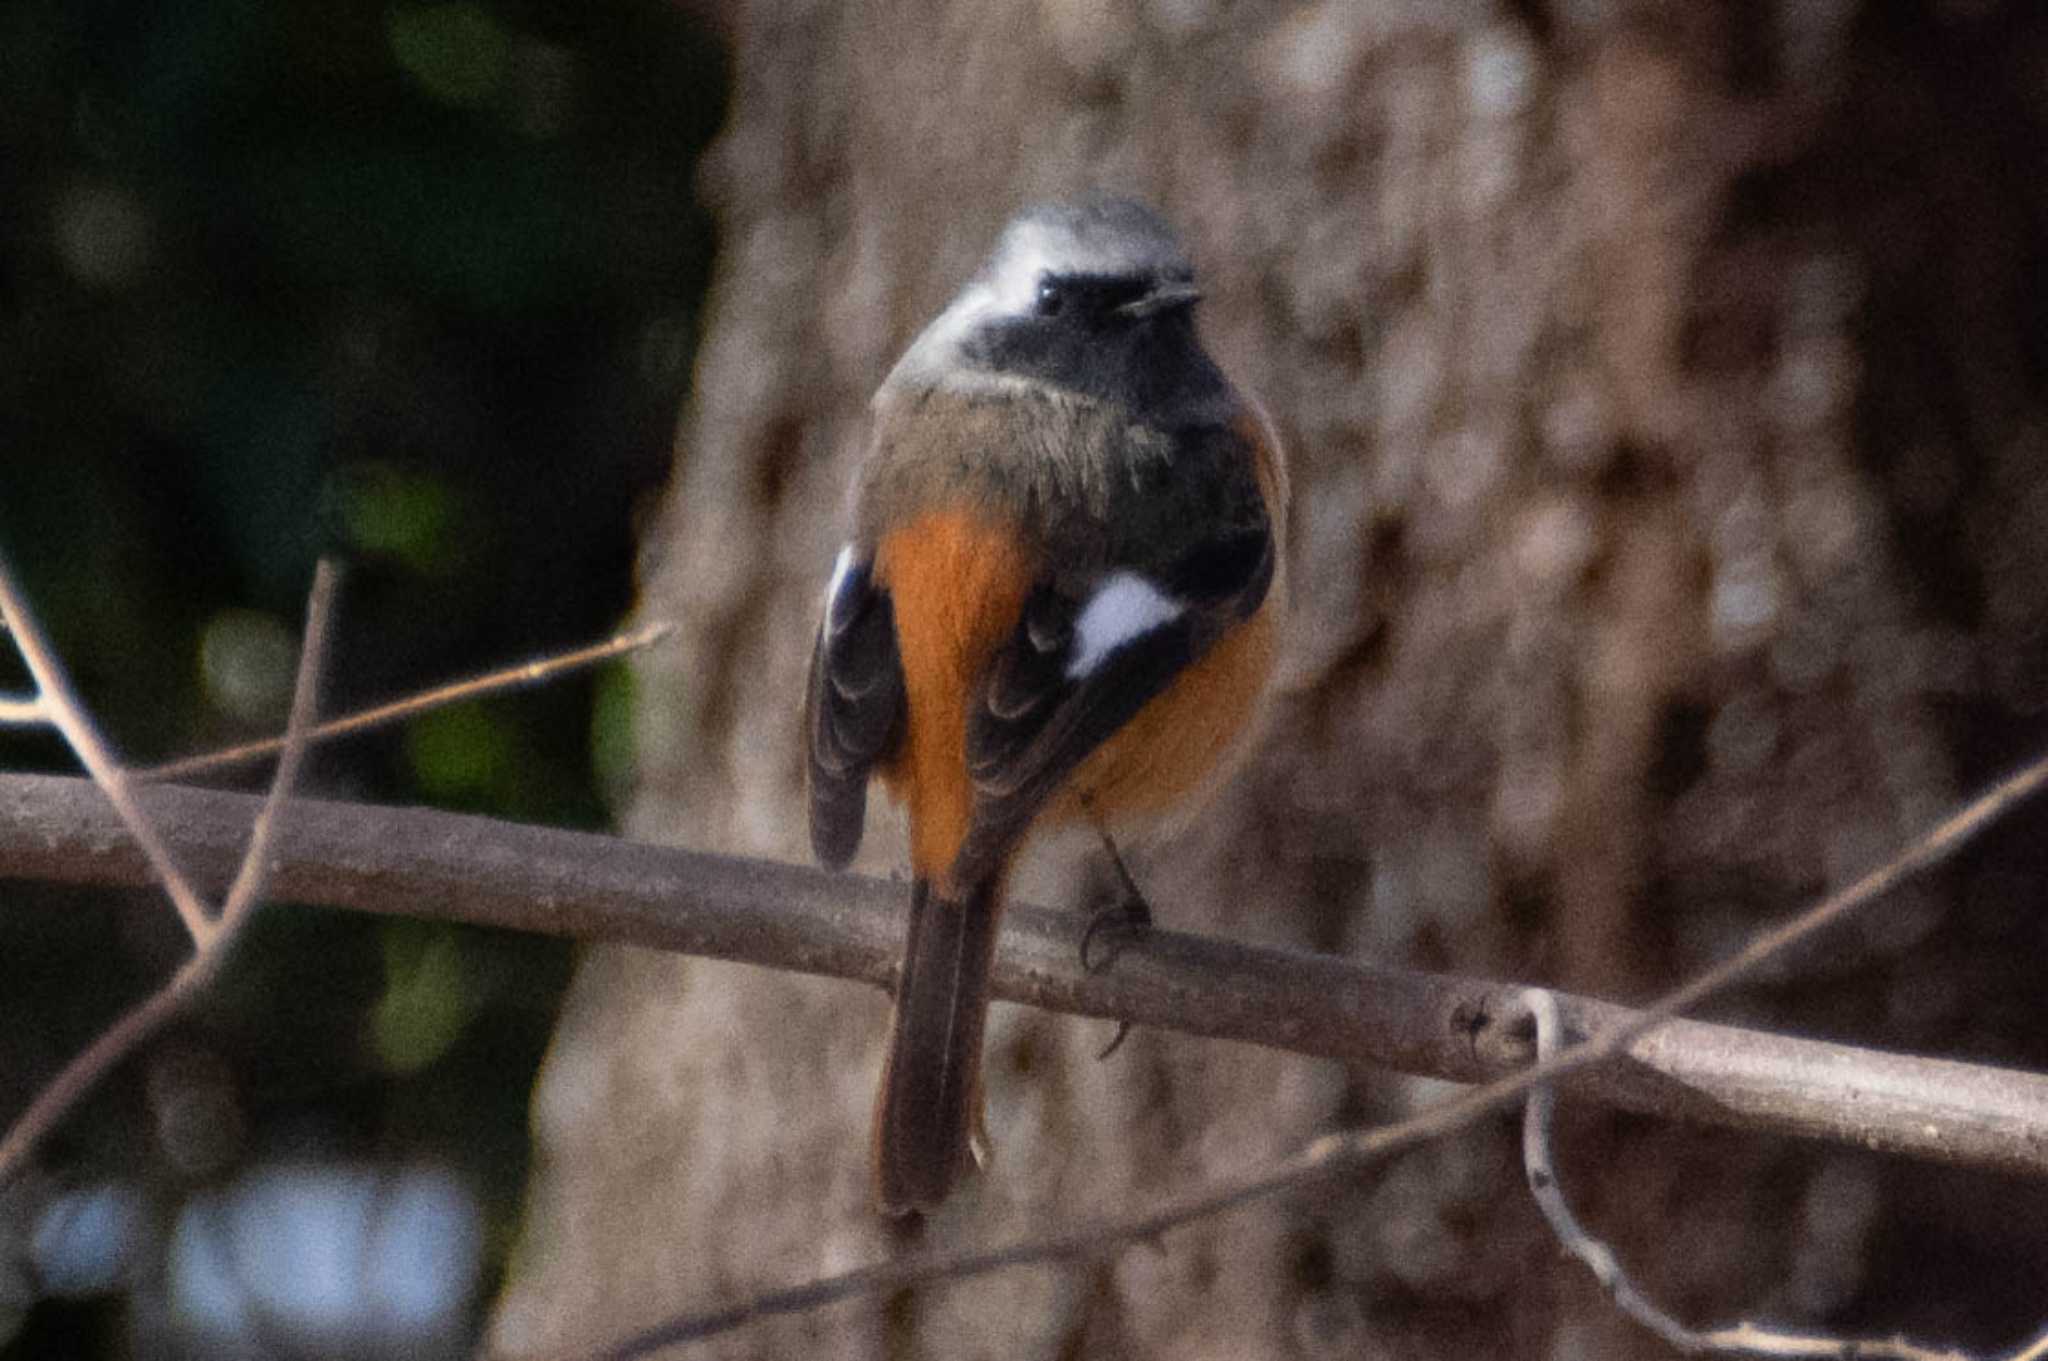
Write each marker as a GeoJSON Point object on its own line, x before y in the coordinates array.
{"type": "Point", "coordinates": [1128, 917]}
{"type": "Point", "coordinates": [1130, 913]}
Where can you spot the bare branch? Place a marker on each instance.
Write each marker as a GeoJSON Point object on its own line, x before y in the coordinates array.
{"type": "Point", "coordinates": [24, 712]}
{"type": "Point", "coordinates": [436, 864]}
{"type": "Point", "coordinates": [58, 705]}
{"type": "Point", "coordinates": [1946, 838]}
{"type": "Point", "coordinates": [87, 1067]}
{"type": "Point", "coordinates": [247, 890]}
{"type": "Point", "coordinates": [1742, 1339]}
{"type": "Point", "coordinates": [493, 682]}
{"type": "Point", "coordinates": [1539, 1168]}
{"type": "Point", "coordinates": [1325, 1157]}
{"type": "Point", "coordinates": [61, 708]}
{"type": "Point", "coordinates": [2034, 1351]}
{"type": "Point", "coordinates": [1352, 1150]}
{"type": "Point", "coordinates": [444, 866]}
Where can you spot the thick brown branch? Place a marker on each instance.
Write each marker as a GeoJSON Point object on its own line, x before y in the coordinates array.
{"type": "Point", "coordinates": [420, 863]}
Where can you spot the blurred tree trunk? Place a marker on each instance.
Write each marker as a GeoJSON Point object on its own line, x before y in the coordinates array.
{"type": "Point", "coordinates": [1665, 388]}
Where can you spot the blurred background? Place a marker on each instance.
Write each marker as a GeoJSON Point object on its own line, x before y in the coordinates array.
{"type": "Point", "coordinates": [417, 285]}
{"type": "Point", "coordinates": [1668, 391]}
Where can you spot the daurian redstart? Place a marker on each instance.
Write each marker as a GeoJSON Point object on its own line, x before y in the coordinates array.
{"type": "Point", "coordinates": [1058, 603]}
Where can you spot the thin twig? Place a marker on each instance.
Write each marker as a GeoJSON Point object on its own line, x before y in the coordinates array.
{"type": "Point", "coordinates": [247, 889]}
{"type": "Point", "coordinates": [508, 678]}
{"type": "Point", "coordinates": [2035, 1350]}
{"type": "Point", "coordinates": [1346, 1152]}
{"type": "Point", "coordinates": [1947, 837]}
{"type": "Point", "coordinates": [1325, 1157]}
{"type": "Point", "coordinates": [1742, 1339]}
{"type": "Point", "coordinates": [1745, 1340]}
{"type": "Point", "coordinates": [87, 1067]}
{"type": "Point", "coordinates": [1541, 1172]}
{"type": "Point", "coordinates": [63, 710]}
{"type": "Point", "coordinates": [24, 712]}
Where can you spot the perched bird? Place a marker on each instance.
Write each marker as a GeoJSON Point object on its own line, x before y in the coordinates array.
{"type": "Point", "coordinates": [1058, 603]}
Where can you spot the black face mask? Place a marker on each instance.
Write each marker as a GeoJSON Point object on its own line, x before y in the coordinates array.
{"type": "Point", "coordinates": [1080, 339]}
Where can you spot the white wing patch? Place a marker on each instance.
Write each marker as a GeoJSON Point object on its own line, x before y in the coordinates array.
{"type": "Point", "coordinates": [1124, 608]}
{"type": "Point", "coordinates": [841, 565]}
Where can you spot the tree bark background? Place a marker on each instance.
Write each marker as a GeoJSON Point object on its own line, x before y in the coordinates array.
{"type": "Point", "coordinates": [1665, 390]}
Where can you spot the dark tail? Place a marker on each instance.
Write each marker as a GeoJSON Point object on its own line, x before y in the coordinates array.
{"type": "Point", "coordinates": [930, 1102]}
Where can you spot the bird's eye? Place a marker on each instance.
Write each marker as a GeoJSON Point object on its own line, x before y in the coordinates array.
{"type": "Point", "coordinates": [1052, 297]}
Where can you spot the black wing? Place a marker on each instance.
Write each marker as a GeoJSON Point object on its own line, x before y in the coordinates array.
{"type": "Point", "coordinates": [853, 710]}
{"type": "Point", "coordinates": [1045, 705]}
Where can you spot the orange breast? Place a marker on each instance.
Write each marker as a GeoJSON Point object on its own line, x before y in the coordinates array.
{"type": "Point", "coordinates": [957, 585]}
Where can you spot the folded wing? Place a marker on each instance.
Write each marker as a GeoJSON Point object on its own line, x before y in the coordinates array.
{"type": "Point", "coordinates": [854, 705]}
{"type": "Point", "coordinates": [1083, 661]}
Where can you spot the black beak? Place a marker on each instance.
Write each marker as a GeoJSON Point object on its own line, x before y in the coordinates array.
{"type": "Point", "coordinates": [1169, 296]}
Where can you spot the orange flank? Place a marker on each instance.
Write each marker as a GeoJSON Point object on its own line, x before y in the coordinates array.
{"type": "Point", "coordinates": [958, 585]}
{"type": "Point", "coordinates": [1178, 746]}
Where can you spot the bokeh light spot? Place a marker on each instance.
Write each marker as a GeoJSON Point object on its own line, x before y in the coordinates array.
{"type": "Point", "coordinates": [246, 661]}
{"type": "Point", "coordinates": [459, 753]}
{"type": "Point", "coordinates": [103, 234]}
{"type": "Point", "coordinates": [457, 53]}
{"type": "Point", "coordinates": [612, 749]}
{"type": "Point", "coordinates": [334, 1261]}
{"type": "Point", "coordinates": [426, 999]}
{"type": "Point", "coordinates": [394, 513]}
{"type": "Point", "coordinates": [86, 1240]}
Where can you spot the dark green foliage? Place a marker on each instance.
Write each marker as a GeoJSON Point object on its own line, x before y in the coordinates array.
{"type": "Point", "coordinates": [415, 285]}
